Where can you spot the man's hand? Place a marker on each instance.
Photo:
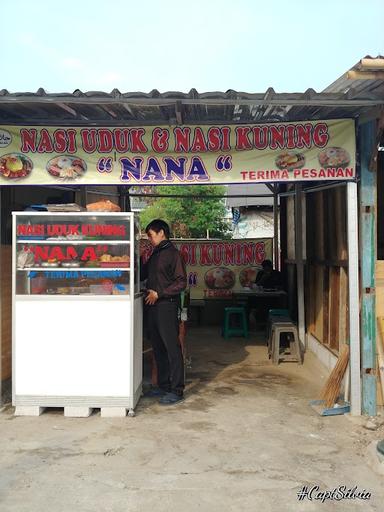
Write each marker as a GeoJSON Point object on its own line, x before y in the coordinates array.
{"type": "Point", "coordinates": [151, 298]}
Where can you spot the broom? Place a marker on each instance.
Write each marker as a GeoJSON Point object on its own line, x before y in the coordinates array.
{"type": "Point", "coordinates": [331, 390]}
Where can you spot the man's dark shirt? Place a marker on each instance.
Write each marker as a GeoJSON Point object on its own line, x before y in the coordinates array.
{"type": "Point", "coordinates": [269, 279]}
{"type": "Point", "coordinates": [165, 271]}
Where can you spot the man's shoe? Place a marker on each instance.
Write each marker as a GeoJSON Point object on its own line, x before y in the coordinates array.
{"type": "Point", "coordinates": [171, 399]}
{"type": "Point", "coordinates": [155, 393]}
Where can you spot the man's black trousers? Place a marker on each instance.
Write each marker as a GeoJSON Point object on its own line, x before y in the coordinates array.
{"type": "Point", "coordinates": [163, 326]}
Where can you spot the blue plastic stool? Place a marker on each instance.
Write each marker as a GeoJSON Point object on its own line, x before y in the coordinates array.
{"type": "Point", "coordinates": [242, 330]}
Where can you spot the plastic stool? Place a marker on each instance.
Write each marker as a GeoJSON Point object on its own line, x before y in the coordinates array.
{"type": "Point", "coordinates": [276, 315]}
{"type": "Point", "coordinates": [278, 312]}
{"type": "Point", "coordinates": [279, 328]}
{"type": "Point", "coordinates": [240, 312]}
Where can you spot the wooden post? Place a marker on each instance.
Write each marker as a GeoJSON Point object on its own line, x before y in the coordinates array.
{"type": "Point", "coordinates": [353, 310]}
{"type": "Point", "coordinates": [368, 259]}
{"type": "Point", "coordinates": [299, 262]}
{"type": "Point", "coordinates": [276, 228]}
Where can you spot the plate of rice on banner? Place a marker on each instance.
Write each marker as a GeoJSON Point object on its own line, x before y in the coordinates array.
{"type": "Point", "coordinates": [290, 160]}
{"type": "Point", "coordinates": [247, 276]}
{"type": "Point", "coordinates": [66, 167]}
{"type": "Point", "coordinates": [219, 278]}
{"type": "Point", "coordinates": [15, 166]}
{"type": "Point", "coordinates": [334, 157]}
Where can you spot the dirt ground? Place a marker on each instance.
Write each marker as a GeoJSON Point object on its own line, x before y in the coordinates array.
{"type": "Point", "coordinates": [244, 440]}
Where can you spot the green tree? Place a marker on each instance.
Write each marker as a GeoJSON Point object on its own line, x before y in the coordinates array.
{"type": "Point", "coordinates": [189, 217]}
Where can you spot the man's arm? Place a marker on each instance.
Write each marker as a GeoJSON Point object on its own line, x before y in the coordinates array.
{"type": "Point", "coordinates": [179, 282]}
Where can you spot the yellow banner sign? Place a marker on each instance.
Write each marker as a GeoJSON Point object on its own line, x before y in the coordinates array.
{"type": "Point", "coordinates": [299, 151]}
{"type": "Point", "coordinates": [217, 269]}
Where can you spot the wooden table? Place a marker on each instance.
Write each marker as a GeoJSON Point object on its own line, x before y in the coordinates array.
{"type": "Point", "coordinates": [261, 299]}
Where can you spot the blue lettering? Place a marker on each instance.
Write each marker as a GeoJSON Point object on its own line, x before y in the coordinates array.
{"type": "Point", "coordinates": [130, 168]}
{"type": "Point", "coordinates": [197, 171]}
{"type": "Point", "coordinates": [176, 167]}
{"type": "Point", "coordinates": [153, 170]}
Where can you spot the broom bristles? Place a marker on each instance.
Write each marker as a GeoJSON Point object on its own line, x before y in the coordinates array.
{"type": "Point", "coordinates": [331, 390]}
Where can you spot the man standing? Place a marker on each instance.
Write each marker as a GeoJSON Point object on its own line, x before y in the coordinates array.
{"type": "Point", "coordinates": [166, 279]}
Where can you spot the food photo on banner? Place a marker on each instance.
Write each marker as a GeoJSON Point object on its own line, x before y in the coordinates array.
{"type": "Point", "coordinates": [218, 268]}
{"type": "Point", "coordinates": [296, 151]}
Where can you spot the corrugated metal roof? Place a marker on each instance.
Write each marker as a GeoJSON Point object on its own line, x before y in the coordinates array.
{"type": "Point", "coordinates": [360, 87]}
{"type": "Point", "coordinates": [344, 98]}
{"type": "Point", "coordinates": [136, 108]}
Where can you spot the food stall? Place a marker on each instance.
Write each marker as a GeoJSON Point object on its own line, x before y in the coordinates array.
{"type": "Point", "coordinates": [77, 313]}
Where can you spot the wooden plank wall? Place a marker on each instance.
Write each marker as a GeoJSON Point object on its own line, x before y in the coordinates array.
{"type": "Point", "coordinates": [379, 311]}
{"type": "Point", "coordinates": [327, 269]}
{"type": "Point", "coordinates": [6, 312]}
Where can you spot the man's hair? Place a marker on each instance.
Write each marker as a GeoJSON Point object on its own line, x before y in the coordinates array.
{"type": "Point", "coordinates": [157, 225]}
{"type": "Point", "coordinates": [267, 263]}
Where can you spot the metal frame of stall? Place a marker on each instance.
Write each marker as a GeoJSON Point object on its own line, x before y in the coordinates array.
{"type": "Point", "coordinates": [271, 100]}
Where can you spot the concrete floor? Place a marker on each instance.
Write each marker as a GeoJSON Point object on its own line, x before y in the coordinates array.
{"type": "Point", "coordinates": [244, 440]}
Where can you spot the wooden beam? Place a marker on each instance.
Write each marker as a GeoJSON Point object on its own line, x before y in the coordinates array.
{"type": "Point", "coordinates": [299, 262]}
{"type": "Point", "coordinates": [368, 242]}
{"type": "Point", "coordinates": [354, 323]}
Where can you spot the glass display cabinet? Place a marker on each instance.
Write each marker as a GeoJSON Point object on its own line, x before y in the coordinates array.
{"type": "Point", "coordinates": [77, 312]}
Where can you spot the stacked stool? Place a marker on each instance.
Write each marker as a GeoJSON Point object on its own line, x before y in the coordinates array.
{"type": "Point", "coordinates": [239, 313]}
{"type": "Point", "coordinates": [280, 323]}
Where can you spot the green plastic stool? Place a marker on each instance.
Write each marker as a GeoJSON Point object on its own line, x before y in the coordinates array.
{"type": "Point", "coordinates": [238, 331]}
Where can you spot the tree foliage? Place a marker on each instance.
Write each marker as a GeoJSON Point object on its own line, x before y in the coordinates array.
{"type": "Point", "coordinates": [189, 217]}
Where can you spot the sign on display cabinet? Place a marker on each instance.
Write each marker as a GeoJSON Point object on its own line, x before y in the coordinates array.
{"type": "Point", "coordinates": [164, 155]}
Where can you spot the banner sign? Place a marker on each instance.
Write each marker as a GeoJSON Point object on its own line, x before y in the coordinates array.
{"type": "Point", "coordinates": [217, 268]}
{"type": "Point", "coordinates": [164, 155]}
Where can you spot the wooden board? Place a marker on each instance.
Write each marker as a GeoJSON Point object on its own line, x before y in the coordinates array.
{"type": "Point", "coordinates": [6, 312]}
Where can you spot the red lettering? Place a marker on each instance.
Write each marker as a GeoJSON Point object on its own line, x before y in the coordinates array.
{"type": "Point", "coordinates": [216, 250]}
{"type": "Point", "coordinates": [198, 144]}
{"type": "Point", "coordinates": [260, 252]}
{"type": "Point", "coordinates": [137, 144]}
{"type": "Point", "coordinates": [226, 133]}
{"type": "Point", "coordinates": [88, 138]}
{"type": "Point", "coordinates": [260, 137]}
{"type": "Point", "coordinates": [214, 139]}
{"type": "Point", "coordinates": [229, 254]}
{"type": "Point", "coordinates": [45, 143]}
{"type": "Point", "coordinates": [60, 143]}
{"type": "Point", "coordinates": [89, 254]}
{"type": "Point", "coordinates": [71, 134]}
{"type": "Point", "coordinates": [182, 138]}
{"type": "Point", "coordinates": [277, 137]}
{"type": "Point", "coordinates": [121, 140]}
{"type": "Point", "coordinates": [291, 136]}
{"type": "Point", "coordinates": [242, 141]}
{"type": "Point", "coordinates": [193, 254]}
{"type": "Point", "coordinates": [320, 135]}
{"type": "Point", "coordinates": [248, 254]}
{"type": "Point", "coordinates": [105, 141]}
{"type": "Point", "coordinates": [28, 140]}
{"type": "Point", "coordinates": [205, 256]}
{"type": "Point", "coordinates": [303, 135]}
{"type": "Point", "coordinates": [160, 140]}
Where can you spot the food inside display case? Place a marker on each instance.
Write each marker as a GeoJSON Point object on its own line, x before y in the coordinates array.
{"type": "Point", "coordinates": [73, 255]}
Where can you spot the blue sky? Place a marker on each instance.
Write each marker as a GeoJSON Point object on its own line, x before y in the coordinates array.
{"type": "Point", "coordinates": [176, 45]}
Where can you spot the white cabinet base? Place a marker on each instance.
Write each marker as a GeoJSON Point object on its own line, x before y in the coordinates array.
{"type": "Point", "coordinates": [113, 412]}
{"type": "Point", "coordinates": [28, 410]}
{"type": "Point", "coordinates": [77, 412]}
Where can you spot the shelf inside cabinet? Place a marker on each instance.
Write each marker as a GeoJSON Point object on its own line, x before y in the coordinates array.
{"type": "Point", "coordinates": [75, 242]}
{"type": "Point", "coordinates": [74, 269]}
